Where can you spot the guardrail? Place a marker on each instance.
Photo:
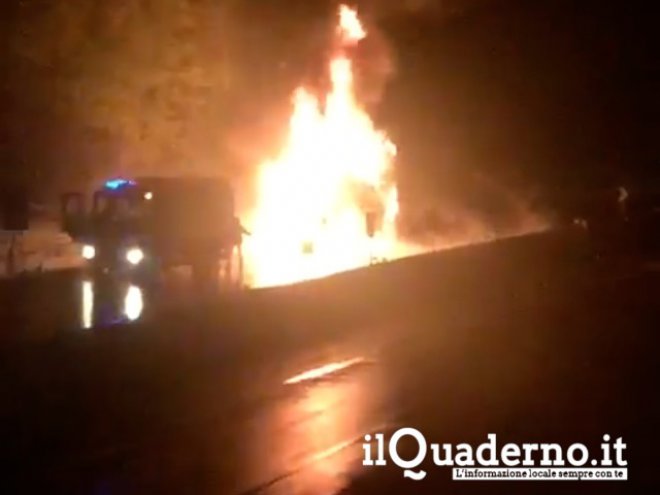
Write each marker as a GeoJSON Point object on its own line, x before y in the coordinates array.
{"type": "Point", "coordinates": [43, 247]}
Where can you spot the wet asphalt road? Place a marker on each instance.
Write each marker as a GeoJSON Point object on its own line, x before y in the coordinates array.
{"type": "Point", "coordinates": [178, 389]}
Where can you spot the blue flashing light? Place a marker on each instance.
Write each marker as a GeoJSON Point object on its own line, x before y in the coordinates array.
{"type": "Point", "coordinates": [116, 184]}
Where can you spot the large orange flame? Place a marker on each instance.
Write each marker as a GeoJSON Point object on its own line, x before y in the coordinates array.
{"type": "Point", "coordinates": [334, 171]}
{"type": "Point", "coordinates": [350, 28]}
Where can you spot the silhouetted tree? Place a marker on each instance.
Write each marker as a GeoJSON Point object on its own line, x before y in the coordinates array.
{"type": "Point", "coordinates": [149, 76]}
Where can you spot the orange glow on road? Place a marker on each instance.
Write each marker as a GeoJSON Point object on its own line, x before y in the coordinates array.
{"type": "Point", "coordinates": [323, 371]}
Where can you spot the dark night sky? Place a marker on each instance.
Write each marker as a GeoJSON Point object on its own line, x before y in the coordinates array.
{"type": "Point", "coordinates": [562, 93]}
{"type": "Point", "coordinates": [549, 93]}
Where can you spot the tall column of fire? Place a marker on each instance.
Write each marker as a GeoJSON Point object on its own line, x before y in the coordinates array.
{"type": "Point", "coordinates": [334, 168]}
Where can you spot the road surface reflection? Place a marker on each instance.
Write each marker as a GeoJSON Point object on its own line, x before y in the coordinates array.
{"type": "Point", "coordinates": [311, 442]}
{"type": "Point", "coordinates": [111, 304]}
{"type": "Point", "coordinates": [133, 303]}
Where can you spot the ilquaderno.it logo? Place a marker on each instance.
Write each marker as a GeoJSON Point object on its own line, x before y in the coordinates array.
{"type": "Point", "coordinates": [511, 461]}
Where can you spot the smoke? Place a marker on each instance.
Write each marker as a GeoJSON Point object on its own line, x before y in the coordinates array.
{"type": "Point", "coordinates": [376, 60]}
{"type": "Point", "coordinates": [391, 7]}
{"type": "Point", "coordinates": [375, 66]}
{"type": "Point", "coordinates": [442, 9]}
{"type": "Point", "coordinates": [460, 206]}
{"type": "Point", "coordinates": [442, 222]}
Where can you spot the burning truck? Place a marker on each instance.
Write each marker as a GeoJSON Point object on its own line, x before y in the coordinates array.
{"type": "Point", "coordinates": [327, 202]}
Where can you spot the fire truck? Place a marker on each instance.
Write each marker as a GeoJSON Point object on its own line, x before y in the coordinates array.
{"type": "Point", "coordinates": [138, 228]}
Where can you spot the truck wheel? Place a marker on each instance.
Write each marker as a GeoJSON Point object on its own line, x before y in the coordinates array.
{"type": "Point", "coordinates": [205, 272]}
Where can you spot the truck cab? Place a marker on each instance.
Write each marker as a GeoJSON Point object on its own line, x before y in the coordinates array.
{"type": "Point", "coordinates": [138, 228]}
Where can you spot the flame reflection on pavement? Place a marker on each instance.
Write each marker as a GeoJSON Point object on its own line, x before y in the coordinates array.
{"type": "Point", "coordinates": [311, 441]}
{"type": "Point", "coordinates": [121, 304]}
{"type": "Point", "coordinates": [133, 303]}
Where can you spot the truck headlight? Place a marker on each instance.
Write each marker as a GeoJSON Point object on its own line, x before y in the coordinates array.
{"type": "Point", "coordinates": [134, 256]}
{"type": "Point", "coordinates": [88, 252]}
